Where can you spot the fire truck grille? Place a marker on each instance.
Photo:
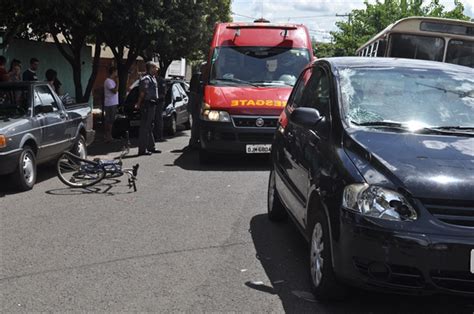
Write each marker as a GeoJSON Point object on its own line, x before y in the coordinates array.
{"type": "Point", "coordinates": [255, 122]}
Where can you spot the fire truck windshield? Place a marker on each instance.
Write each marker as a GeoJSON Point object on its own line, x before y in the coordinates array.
{"type": "Point", "coordinates": [266, 66]}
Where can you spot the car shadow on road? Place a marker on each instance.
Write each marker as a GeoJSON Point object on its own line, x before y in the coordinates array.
{"type": "Point", "coordinates": [188, 159]}
{"type": "Point", "coordinates": [44, 172]}
{"type": "Point", "coordinates": [283, 253]}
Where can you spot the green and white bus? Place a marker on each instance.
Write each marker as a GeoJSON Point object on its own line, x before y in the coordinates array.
{"type": "Point", "coordinates": [426, 38]}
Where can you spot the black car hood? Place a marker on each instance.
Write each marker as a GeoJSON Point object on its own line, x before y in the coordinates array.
{"type": "Point", "coordinates": [427, 166]}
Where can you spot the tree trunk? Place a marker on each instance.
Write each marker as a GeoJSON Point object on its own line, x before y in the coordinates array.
{"type": "Point", "coordinates": [165, 63]}
{"type": "Point", "coordinates": [122, 70]}
{"type": "Point", "coordinates": [77, 76]}
{"type": "Point", "coordinates": [95, 69]}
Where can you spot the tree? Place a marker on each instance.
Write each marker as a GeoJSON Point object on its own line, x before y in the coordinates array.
{"type": "Point", "coordinates": [365, 23]}
{"type": "Point", "coordinates": [129, 28]}
{"type": "Point", "coordinates": [189, 28]}
{"type": "Point", "coordinates": [76, 21]}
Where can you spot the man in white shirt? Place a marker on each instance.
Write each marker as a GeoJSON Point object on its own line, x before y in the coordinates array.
{"type": "Point", "coordinates": [110, 102]}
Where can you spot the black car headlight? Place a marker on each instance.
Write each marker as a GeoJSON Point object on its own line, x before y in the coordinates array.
{"type": "Point", "coordinates": [375, 201]}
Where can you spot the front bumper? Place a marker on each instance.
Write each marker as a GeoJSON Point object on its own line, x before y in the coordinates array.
{"type": "Point", "coordinates": [219, 137]}
{"type": "Point", "coordinates": [403, 262]}
{"type": "Point", "coordinates": [9, 161]}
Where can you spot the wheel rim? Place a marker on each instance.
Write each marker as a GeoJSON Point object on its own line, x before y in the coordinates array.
{"type": "Point", "coordinates": [81, 150]}
{"type": "Point", "coordinates": [317, 260]}
{"type": "Point", "coordinates": [173, 125]}
{"type": "Point", "coordinates": [28, 169]}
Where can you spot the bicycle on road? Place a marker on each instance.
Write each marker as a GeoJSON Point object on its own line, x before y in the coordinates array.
{"type": "Point", "coordinates": [77, 172]}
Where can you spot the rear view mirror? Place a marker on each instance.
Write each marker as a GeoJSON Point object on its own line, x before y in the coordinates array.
{"type": "Point", "coordinates": [306, 118]}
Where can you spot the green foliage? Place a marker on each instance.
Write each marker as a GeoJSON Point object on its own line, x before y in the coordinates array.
{"type": "Point", "coordinates": [171, 28]}
{"type": "Point", "coordinates": [365, 23]}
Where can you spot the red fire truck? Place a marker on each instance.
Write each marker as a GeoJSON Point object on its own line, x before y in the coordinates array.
{"type": "Point", "coordinates": [250, 73]}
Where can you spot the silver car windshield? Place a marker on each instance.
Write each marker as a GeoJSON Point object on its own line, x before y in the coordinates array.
{"type": "Point", "coordinates": [13, 102]}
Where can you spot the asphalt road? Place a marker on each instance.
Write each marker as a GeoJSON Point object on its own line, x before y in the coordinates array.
{"type": "Point", "coordinates": [192, 239]}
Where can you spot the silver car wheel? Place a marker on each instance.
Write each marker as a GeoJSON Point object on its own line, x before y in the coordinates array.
{"type": "Point", "coordinates": [316, 258]}
{"type": "Point", "coordinates": [81, 149]}
{"type": "Point", "coordinates": [28, 169]}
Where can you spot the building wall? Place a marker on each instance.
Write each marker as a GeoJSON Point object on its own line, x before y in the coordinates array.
{"type": "Point", "coordinates": [50, 58]}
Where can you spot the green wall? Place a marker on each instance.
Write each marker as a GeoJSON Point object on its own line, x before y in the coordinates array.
{"type": "Point", "coordinates": [50, 58]}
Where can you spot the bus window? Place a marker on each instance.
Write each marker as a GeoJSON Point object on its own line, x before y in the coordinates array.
{"type": "Point", "coordinates": [374, 50]}
{"type": "Point", "coordinates": [417, 47]}
{"type": "Point", "coordinates": [460, 52]}
{"type": "Point", "coordinates": [381, 48]}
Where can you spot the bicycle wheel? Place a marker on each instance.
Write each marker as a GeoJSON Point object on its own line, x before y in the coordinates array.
{"type": "Point", "coordinates": [77, 172]}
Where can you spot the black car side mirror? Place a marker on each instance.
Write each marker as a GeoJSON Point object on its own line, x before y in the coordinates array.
{"type": "Point", "coordinates": [306, 118]}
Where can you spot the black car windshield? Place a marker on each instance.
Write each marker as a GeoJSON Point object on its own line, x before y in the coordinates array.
{"type": "Point", "coordinates": [262, 66]}
{"type": "Point", "coordinates": [13, 102]}
{"type": "Point", "coordinates": [412, 97]}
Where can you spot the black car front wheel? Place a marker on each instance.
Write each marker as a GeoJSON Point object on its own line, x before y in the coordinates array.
{"type": "Point", "coordinates": [188, 125]}
{"type": "Point", "coordinates": [172, 125]}
{"type": "Point", "coordinates": [276, 210]}
{"type": "Point", "coordinates": [323, 280]}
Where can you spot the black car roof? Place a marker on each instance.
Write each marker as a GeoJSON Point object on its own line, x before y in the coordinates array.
{"type": "Point", "coordinates": [367, 62]}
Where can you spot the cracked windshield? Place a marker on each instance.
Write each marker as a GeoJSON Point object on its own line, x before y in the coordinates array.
{"type": "Point", "coordinates": [416, 97]}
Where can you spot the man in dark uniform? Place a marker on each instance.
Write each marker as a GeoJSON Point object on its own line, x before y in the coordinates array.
{"type": "Point", "coordinates": [194, 108]}
{"type": "Point", "coordinates": [196, 88]}
{"type": "Point", "coordinates": [158, 123]}
{"type": "Point", "coordinates": [147, 101]}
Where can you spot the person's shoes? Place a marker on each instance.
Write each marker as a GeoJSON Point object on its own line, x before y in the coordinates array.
{"type": "Point", "coordinates": [144, 153]}
{"type": "Point", "coordinates": [154, 151]}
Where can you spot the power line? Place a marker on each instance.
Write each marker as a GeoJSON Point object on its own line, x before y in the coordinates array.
{"type": "Point", "coordinates": [242, 15]}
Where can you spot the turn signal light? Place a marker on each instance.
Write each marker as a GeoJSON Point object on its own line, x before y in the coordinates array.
{"type": "Point", "coordinates": [3, 141]}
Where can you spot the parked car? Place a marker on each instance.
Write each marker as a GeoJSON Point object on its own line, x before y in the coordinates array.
{"type": "Point", "coordinates": [175, 111]}
{"type": "Point", "coordinates": [373, 159]}
{"type": "Point", "coordinates": [36, 127]}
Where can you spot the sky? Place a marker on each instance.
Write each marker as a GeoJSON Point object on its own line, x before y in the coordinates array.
{"type": "Point", "coordinates": [318, 15]}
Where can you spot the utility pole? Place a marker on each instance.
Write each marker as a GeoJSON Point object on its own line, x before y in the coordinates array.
{"type": "Point", "coordinates": [349, 15]}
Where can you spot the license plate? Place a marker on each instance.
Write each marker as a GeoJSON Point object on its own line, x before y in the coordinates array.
{"type": "Point", "coordinates": [472, 261]}
{"type": "Point", "coordinates": [258, 149]}
{"type": "Point", "coordinates": [135, 123]}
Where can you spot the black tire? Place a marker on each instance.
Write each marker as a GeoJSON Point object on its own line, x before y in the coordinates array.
{"type": "Point", "coordinates": [80, 148]}
{"type": "Point", "coordinates": [276, 209]}
{"type": "Point", "coordinates": [189, 124]}
{"type": "Point", "coordinates": [323, 281]}
{"type": "Point", "coordinates": [172, 125]}
{"type": "Point", "coordinates": [25, 174]}
{"type": "Point", "coordinates": [77, 172]}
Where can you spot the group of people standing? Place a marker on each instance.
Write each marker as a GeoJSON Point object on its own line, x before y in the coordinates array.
{"type": "Point", "coordinates": [151, 96]}
{"type": "Point", "coordinates": [14, 73]}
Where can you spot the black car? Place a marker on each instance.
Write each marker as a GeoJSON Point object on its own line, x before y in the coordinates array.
{"type": "Point", "coordinates": [373, 159]}
{"type": "Point", "coordinates": [175, 111]}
